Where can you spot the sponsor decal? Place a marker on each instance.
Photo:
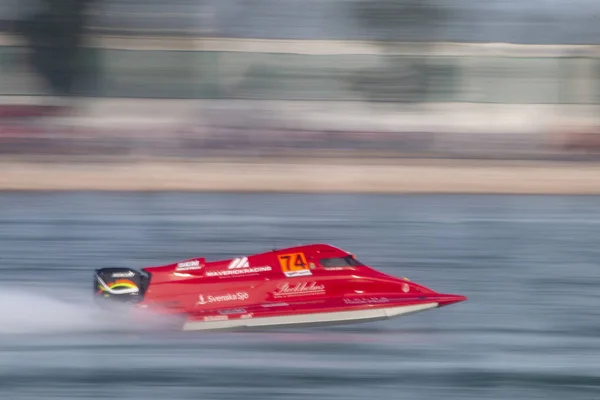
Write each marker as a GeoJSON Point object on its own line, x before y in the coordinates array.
{"type": "Point", "coordinates": [299, 289]}
{"type": "Point", "coordinates": [294, 264]}
{"type": "Point", "coordinates": [367, 300]}
{"type": "Point", "coordinates": [338, 268]}
{"type": "Point", "coordinates": [239, 266]}
{"type": "Point", "coordinates": [405, 288]}
{"type": "Point", "coordinates": [127, 274]}
{"type": "Point", "coordinates": [232, 311]}
{"type": "Point", "coordinates": [225, 297]}
{"type": "Point", "coordinates": [275, 305]}
{"type": "Point", "coordinates": [188, 265]}
{"type": "Point", "coordinates": [239, 263]}
{"type": "Point", "coordinates": [120, 286]}
{"type": "Point", "coordinates": [216, 318]}
{"type": "Point", "coordinates": [246, 316]}
{"type": "Point", "coordinates": [235, 272]}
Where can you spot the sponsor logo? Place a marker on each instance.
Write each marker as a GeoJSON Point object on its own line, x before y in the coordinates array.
{"type": "Point", "coordinates": [367, 300]}
{"type": "Point", "coordinates": [216, 318]}
{"type": "Point", "coordinates": [201, 300]}
{"type": "Point", "coordinates": [225, 297]}
{"type": "Point", "coordinates": [294, 264]}
{"type": "Point", "coordinates": [405, 288]}
{"type": "Point", "coordinates": [246, 316]}
{"type": "Point", "coordinates": [338, 268]}
{"type": "Point", "coordinates": [232, 311]}
{"type": "Point", "coordinates": [275, 305]}
{"type": "Point", "coordinates": [239, 263]}
{"type": "Point", "coordinates": [128, 274]}
{"type": "Point", "coordinates": [239, 266]}
{"type": "Point", "coordinates": [120, 286]}
{"type": "Point", "coordinates": [293, 274]}
{"type": "Point", "coordinates": [188, 265]}
{"type": "Point", "coordinates": [299, 289]}
{"type": "Point", "coordinates": [235, 272]}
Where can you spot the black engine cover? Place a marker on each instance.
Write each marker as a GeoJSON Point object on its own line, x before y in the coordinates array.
{"type": "Point", "coordinates": [124, 285]}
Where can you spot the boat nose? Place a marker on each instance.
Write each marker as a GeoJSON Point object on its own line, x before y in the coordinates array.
{"type": "Point", "coordinates": [447, 299]}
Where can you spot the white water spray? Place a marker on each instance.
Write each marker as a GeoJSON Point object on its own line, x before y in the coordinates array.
{"type": "Point", "coordinates": [34, 311]}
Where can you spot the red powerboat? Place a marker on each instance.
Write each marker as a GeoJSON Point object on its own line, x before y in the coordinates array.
{"type": "Point", "coordinates": [314, 284]}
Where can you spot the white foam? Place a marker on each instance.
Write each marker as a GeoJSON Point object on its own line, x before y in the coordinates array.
{"type": "Point", "coordinates": [34, 311]}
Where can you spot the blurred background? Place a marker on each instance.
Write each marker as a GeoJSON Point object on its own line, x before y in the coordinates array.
{"type": "Point", "coordinates": [400, 78]}
{"type": "Point", "coordinates": [314, 80]}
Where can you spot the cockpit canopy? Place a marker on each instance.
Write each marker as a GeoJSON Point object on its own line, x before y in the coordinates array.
{"type": "Point", "coordinates": [337, 262]}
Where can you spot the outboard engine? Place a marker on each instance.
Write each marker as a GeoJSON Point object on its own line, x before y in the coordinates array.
{"type": "Point", "coordinates": [122, 285]}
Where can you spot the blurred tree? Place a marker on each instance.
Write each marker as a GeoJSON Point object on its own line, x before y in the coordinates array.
{"type": "Point", "coordinates": [55, 36]}
{"type": "Point", "coordinates": [395, 24]}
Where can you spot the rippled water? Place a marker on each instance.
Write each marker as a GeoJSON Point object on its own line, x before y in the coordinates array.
{"type": "Point", "coordinates": [529, 265]}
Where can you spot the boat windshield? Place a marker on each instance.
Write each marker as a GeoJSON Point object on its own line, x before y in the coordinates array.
{"type": "Point", "coordinates": [348, 261]}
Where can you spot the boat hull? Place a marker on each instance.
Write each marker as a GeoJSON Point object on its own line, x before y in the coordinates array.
{"type": "Point", "coordinates": [308, 319]}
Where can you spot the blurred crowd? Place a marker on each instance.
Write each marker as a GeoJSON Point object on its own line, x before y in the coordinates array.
{"type": "Point", "coordinates": [387, 78]}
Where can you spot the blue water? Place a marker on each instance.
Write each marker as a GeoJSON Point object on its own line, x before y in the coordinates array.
{"type": "Point", "coordinates": [529, 265]}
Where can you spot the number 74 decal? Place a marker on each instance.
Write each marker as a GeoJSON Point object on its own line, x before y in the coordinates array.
{"type": "Point", "coordinates": [294, 264]}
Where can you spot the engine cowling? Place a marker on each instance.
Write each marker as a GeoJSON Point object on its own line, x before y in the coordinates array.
{"type": "Point", "coordinates": [123, 285]}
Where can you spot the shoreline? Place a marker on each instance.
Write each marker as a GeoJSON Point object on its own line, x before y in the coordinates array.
{"type": "Point", "coordinates": [431, 176]}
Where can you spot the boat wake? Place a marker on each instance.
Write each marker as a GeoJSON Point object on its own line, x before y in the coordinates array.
{"type": "Point", "coordinates": [34, 311]}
